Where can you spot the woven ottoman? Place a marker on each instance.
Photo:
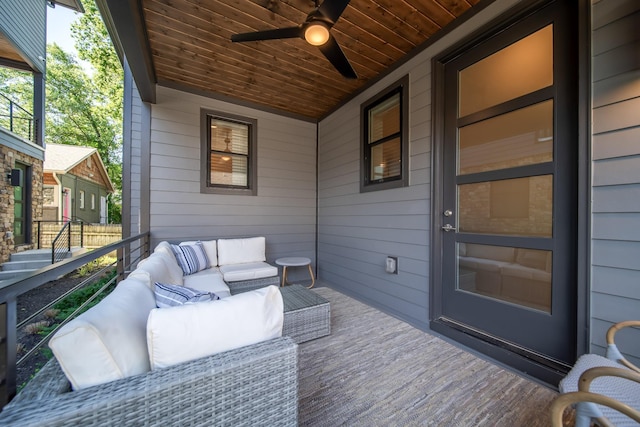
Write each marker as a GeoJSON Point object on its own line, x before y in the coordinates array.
{"type": "Point", "coordinates": [307, 315]}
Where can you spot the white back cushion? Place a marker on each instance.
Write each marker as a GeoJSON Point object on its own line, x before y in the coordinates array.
{"type": "Point", "coordinates": [210, 247]}
{"type": "Point", "coordinates": [189, 332]}
{"type": "Point", "coordinates": [159, 267]}
{"type": "Point", "coordinates": [108, 341]}
{"type": "Point", "coordinates": [237, 251]}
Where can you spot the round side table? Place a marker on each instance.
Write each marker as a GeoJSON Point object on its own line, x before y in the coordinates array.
{"type": "Point", "coordinates": [295, 262]}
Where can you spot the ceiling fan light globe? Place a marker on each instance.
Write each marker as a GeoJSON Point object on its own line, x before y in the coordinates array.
{"type": "Point", "coordinates": [316, 34]}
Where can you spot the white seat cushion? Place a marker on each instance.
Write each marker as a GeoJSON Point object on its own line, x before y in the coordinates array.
{"type": "Point", "coordinates": [108, 341]}
{"type": "Point", "coordinates": [247, 271]}
{"type": "Point", "coordinates": [238, 251]}
{"type": "Point", "coordinates": [188, 332]}
{"type": "Point", "coordinates": [209, 280]}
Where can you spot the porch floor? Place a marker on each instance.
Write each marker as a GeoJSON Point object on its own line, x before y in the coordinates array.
{"type": "Point", "coordinates": [376, 370]}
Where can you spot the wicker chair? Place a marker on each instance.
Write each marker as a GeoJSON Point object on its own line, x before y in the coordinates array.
{"type": "Point", "coordinates": [256, 385]}
{"type": "Point", "coordinates": [606, 389]}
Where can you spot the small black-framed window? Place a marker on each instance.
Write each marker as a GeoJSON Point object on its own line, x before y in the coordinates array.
{"type": "Point", "coordinates": [385, 136]}
{"type": "Point", "coordinates": [228, 160]}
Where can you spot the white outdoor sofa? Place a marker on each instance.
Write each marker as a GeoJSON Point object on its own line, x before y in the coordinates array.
{"type": "Point", "coordinates": [126, 362]}
{"type": "Point", "coordinates": [235, 265]}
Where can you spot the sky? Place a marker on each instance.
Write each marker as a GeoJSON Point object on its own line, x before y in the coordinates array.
{"type": "Point", "coordinates": [59, 21]}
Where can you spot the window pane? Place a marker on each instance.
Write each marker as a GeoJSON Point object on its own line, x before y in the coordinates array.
{"type": "Point", "coordinates": [384, 119]}
{"type": "Point", "coordinates": [229, 170]}
{"type": "Point", "coordinates": [519, 69]}
{"type": "Point", "coordinates": [521, 207]}
{"type": "Point", "coordinates": [385, 160]}
{"type": "Point", "coordinates": [230, 137]}
{"type": "Point", "coordinates": [516, 275]}
{"type": "Point", "coordinates": [521, 137]}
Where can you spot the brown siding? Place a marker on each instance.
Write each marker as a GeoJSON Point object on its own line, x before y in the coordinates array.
{"type": "Point", "coordinates": [49, 179]}
{"type": "Point", "coordinates": [91, 172]}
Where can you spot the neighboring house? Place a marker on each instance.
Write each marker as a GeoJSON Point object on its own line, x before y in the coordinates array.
{"type": "Point", "coordinates": [498, 160]}
{"type": "Point", "coordinates": [23, 47]}
{"type": "Point", "coordinates": [76, 185]}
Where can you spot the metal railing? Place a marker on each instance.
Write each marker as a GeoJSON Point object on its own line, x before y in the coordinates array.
{"type": "Point", "coordinates": [61, 245]}
{"type": "Point", "coordinates": [45, 230]}
{"type": "Point", "coordinates": [15, 118]}
{"type": "Point", "coordinates": [129, 252]}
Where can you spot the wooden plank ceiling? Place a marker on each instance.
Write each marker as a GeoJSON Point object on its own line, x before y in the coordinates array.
{"type": "Point", "coordinates": [191, 47]}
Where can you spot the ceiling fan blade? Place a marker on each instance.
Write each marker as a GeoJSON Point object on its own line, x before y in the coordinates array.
{"type": "Point", "coordinates": [332, 9]}
{"type": "Point", "coordinates": [335, 55]}
{"type": "Point", "coordinates": [280, 33]}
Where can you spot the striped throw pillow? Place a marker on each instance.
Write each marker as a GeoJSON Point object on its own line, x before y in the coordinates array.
{"type": "Point", "coordinates": [191, 258]}
{"type": "Point", "coordinates": [172, 295]}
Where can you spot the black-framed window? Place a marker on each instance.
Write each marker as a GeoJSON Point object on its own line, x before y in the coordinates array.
{"type": "Point", "coordinates": [384, 123]}
{"type": "Point", "coordinates": [228, 161]}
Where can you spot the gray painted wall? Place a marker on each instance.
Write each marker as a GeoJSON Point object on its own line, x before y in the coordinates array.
{"type": "Point", "coordinates": [615, 279]}
{"type": "Point", "coordinates": [357, 231]}
{"type": "Point", "coordinates": [284, 211]}
{"type": "Point", "coordinates": [23, 22]}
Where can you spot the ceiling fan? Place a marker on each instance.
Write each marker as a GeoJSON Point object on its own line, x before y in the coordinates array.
{"type": "Point", "coordinates": [315, 30]}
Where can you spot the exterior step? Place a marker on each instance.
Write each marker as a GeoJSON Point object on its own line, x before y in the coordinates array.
{"type": "Point", "coordinates": [32, 255]}
{"type": "Point", "coordinates": [25, 265]}
{"type": "Point", "coordinates": [35, 259]}
{"type": "Point", "coordinates": [9, 275]}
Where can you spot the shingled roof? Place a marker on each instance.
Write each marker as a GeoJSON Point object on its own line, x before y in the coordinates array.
{"type": "Point", "coordinates": [61, 158]}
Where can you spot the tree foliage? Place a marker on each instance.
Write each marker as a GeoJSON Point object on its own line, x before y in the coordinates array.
{"type": "Point", "coordinates": [83, 102]}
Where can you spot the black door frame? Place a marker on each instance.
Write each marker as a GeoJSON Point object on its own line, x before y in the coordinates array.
{"type": "Point", "coordinates": [536, 367]}
{"type": "Point", "coordinates": [26, 202]}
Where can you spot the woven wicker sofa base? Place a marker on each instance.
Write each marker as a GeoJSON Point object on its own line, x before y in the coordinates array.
{"type": "Point", "coordinates": [250, 285]}
{"type": "Point", "coordinates": [256, 385]}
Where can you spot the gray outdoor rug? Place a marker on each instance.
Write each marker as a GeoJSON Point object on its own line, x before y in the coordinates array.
{"type": "Point", "coordinates": [375, 370]}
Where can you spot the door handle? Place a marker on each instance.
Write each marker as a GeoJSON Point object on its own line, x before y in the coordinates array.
{"type": "Point", "coordinates": [448, 227]}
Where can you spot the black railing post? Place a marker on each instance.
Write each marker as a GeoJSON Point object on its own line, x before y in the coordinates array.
{"type": "Point", "coordinates": [39, 233]}
{"type": "Point", "coordinates": [8, 316]}
{"type": "Point", "coordinates": [120, 265]}
{"type": "Point", "coordinates": [81, 234]}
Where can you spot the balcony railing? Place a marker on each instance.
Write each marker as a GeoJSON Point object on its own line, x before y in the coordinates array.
{"type": "Point", "coordinates": [15, 118]}
{"type": "Point", "coordinates": [129, 252]}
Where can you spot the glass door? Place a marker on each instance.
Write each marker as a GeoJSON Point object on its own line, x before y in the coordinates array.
{"type": "Point", "coordinates": [509, 192]}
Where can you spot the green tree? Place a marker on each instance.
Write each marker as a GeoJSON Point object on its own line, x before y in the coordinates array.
{"type": "Point", "coordinates": [80, 113]}
{"type": "Point", "coordinates": [98, 96]}
{"type": "Point", "coordinates": [83, 104]}
{"type": "Point", "coordinates": [16, 88]}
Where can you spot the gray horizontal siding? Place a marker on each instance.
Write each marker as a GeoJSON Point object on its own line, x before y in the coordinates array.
{"type": "Point", "coordinates": [357, 231]}
{"type": "Point", "coordinates": [615, 278]}
{"type": "Point", "coordinates": [284, 211]}
{"type": "Point", "coordinates": [23, 23]}
{"type": "Point", "coordinates": [10, 140]}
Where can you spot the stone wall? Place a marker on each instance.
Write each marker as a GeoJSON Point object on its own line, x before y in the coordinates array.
{"type": "Point", "coordinates": [8, 159]}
